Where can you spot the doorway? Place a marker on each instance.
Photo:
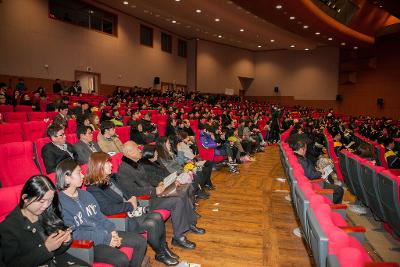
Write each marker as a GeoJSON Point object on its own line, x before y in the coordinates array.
{"type": "Point", "coordinates": [89, 81]}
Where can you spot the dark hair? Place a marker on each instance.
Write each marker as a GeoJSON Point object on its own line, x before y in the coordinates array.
{"type": "Point", "coordinates": [82, 129]}
{"type": "Point", "coordinates": [162, 150]}
{"type": "Point", "coordinates": [148, 151]}
{"type": "Point", "coordinates": [34, 189]}
{"type": "Point", "coordinates": [63, 106]}
{"type": "Point", "coordinates": [297, 145]}
{"type": "Point", "coordinates": [106, 125]}
{"type": "Point", "coordinates": [364, 151]}
{"type": "Point", "coordinates": [65, 167]}
{"type": "Point", "coordinates": [388, 141]}
{"type": "Point", "coordinates": [53, 129]}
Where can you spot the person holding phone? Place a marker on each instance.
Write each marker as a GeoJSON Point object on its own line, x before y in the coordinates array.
{"type": "Point", "coordinates": [33, 234]}
{"type": "Point", "coordinates": [80, 210]}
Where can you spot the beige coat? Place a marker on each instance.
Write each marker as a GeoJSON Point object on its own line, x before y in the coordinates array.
{"type": "Point", "coordinates": [109, 145]}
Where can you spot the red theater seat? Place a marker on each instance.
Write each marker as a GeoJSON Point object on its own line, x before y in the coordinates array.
{"type": "Point", "coordinates": [123, 133]}
{"type": "Point", "coordinates": [23, 108]}
{"type": "Point", "coordinates": [10, 132]}
{"type": "Point", "coordinates": [37, 116]}
{"type": "Point", "coordinates": [33, 130]}
{"type": "Point", "coordinates": [17, 163]}
{"type": "Point", "coordinates": [12, 117]}
{"type": "Point", "coordinates": [39, 144]}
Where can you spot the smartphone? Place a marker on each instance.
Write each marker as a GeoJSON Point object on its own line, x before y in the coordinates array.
{"type": "Point", "coordinates": [71, 228]}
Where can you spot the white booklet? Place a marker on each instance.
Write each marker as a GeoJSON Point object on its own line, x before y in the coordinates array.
{"type": "Point", "coordinates": [170, 179]}
{"type": "Point", "coordinates": [327, 170]}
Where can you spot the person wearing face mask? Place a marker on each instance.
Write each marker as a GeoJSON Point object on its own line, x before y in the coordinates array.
{"type": "Point", "coordinates": [33, 234]}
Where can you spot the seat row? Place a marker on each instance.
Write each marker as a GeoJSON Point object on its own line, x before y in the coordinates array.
{"type": "Point", "coordinates": [24, 116]}
{"type": "Point", "coordinates": [332, 240]}
{"type": "Point", "coordinates": [20, 160]}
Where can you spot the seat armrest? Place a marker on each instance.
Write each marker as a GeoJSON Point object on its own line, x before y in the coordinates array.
{"type": "Point", "coordinates": [381, 264]}
{"type": "Point", "coordinates": [319, 180]}
{"type": "Point", "coordinates": [120, 220]}
{"type": "Point", "coordinates": [324, 191]}
{"type": "Point", "coordinates": [118, 215]}
{"type": "Point", "coordinates": [355, 231]}
{"type": "Point", "coordinates": [338, 206]}
{"type": "Point", "coordinates": [82, 249]}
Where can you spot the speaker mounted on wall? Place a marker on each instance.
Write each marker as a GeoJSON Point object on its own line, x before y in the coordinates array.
{"type": "Point", "coordinates": [380, 102]}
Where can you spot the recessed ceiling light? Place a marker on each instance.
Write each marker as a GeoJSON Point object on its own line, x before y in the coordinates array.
{"type": "Point", "coordinates": [343, 43]}
{"type": "Point", "coordinates": [219, 36]}
{"type": "Point", "coordinates": [317, 33]}
{"type": "Point", "coordinates": [355, 48]}
{"type": "Point", "coordinates": [177, 0]}
{"type": "Point", "coordinates": [305, 26]}
{"type": "Point", "coordinates": [174, 21]}
{"type": "Point", "coordinates": [292, 46]}
{"type": "Point", "coordinates": [278, 6]}
{"type": "Point", "coordinates": [217, 19]}
{"type": "Point", "coordinates": [198, 10]}
{"type": "Point", "coordinates": [91, 11]}
{"type": "Point", "coordinates": [259, 46]}
{"type": "Point", "coordinates": [126, 3]}
{"type": "Point", "coordinates": [306, 49]}
{"type": "Point", "coordinates": [242, 30]}
{"type": "Point", "coordinates": [330, 38]}
{"type": "Point", "coordinates": [133, 6]}
{"type": "Point", "coordinates": [292, 18]}
{"type": "Point", "coordinates": [272, 40]}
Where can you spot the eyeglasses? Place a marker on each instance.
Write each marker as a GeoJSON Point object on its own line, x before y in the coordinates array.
{"type": "Point", "coordinates": [61, 134]}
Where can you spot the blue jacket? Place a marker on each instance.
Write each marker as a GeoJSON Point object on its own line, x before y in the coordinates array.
{"type": "Point", "coordinates": [85, 216]}
{"type": "Point", "coordinates": [207, 141]}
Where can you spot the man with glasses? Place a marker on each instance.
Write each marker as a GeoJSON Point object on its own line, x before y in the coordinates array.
{"type": "Point", "coordinates": [85, 146]}
{"type": "Point", "coordinates": [58, 149]}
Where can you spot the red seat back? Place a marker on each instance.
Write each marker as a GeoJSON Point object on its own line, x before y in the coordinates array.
{"type": "Point", "coordinates": [10, 132]}
{"type": "Point", "coordinates": [39, 144]}
{"type": "Point", "coordinates": [123, 133]}
{"type": "Point", "coordinates": [11, 117]}
{"type": "Point", "coordinates": [33, 130]}
{"type": "Point", "coordinates": [37, 116]}
{"type": "Point", "coordinates": [9, 198]}
{"type": "Point", "coordinates": [23, 108]}
{"type": "Point", "coordinates": [17, 163]}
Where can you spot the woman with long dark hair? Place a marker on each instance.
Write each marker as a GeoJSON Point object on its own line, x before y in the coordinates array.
{"type": "Point", "coordinates": [33, 234]}
{"type": "Point", "coordinates": [81, 211]}
{"type": "Point", "coordinates": [113, 198]}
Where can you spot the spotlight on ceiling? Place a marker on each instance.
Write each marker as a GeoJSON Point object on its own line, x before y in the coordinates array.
{"type": "Point", "coordinates": [219, 36]}
{"type": "Point", "coordinates": [292, 17]}
{"type": "Point", "coordinates": [198, 10]}
{"type": "Point", "coordinates": [272, 40]}
{"type": "Point", "coordinates": [292, 46]}
{"type": "Point", "coordinates": [305, 26]}
{"type": "Point", "coordinates": [126, 3]}
{"type": "Point", "coordinates": [278, 6]}
{"type": "Point", "coordinates": [317, 33]}
{"type": "Point", "coordinates": [217, 19]}
{"type": "Point", "coordinates": [174, 21]}
{"type": "Point", "coordinates": [306, 49]}
{"type": "Point", "coordinates": [330, 38]}
{"type": "Point", "coordinates": [343, 43]}
{"type": "Point", "coordinates": [259, 46]}
{"type": "Point", "coordinates": [242, 30]}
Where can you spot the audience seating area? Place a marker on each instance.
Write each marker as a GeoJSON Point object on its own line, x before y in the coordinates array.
{"type": "Point", "coordinates": [332, 241]}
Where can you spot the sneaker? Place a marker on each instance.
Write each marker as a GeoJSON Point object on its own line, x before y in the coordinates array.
{"type": "Point", "coordinates": [233, 169]}
{"type": "Point", "coordinates": [288, 198]}
{"type": "Point", "coordinates": [357, 209]}
{"type": "Point", "coordinates": [297, 232]}
{"type": "Point", "coordinates": [231, 163]}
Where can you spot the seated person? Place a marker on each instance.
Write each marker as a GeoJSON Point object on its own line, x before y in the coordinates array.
{"type": "Point", "coordinates": [116, 118]}
{"type": "Point", "coordinates": [136, 133]}
{"type": "Point", "coordinates": [207, 140]}
{"type": "Point", "coordinates": [300, 150]}
{"type": "Point", "coordinates": [58, 149]}
{"type": "Point", "coordinates": [85, 146]}
{"type": "Point", "coordinates": [135, 180]}
{"type": "Point", "coordinates": [62, 116]}
{"type": "Point", "coordinates": [150, 132]}
{"type": "Point", "coordinates": [337, 144]}
{"type": "Point", "coordinates": [81, 211]}
{"type": "Point", "coordinates": [364, 151]}
{"type": "Point", "coordinates": [32, 234]}
{"type": "Point", "coordinates": [113, 199]}
{"type": "Point", "coordinates": [107, 139]}
{"type": "Point", "coordinates": [156, 172]}
{"type": "Point", "coordinates": [391, 156]}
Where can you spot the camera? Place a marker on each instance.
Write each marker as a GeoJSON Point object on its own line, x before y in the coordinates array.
{"type": "Point", "coordinates": [139, 211]}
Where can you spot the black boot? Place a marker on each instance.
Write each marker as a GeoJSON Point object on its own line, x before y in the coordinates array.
{"type": "Point", "coordinates": [197, 230]}
{"type": "Point", "coordinates": [163, 257]}
{"type": "Point", "coordinates": [169, 252]}
{"type": "Point", "coordinates": [183, 242]}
